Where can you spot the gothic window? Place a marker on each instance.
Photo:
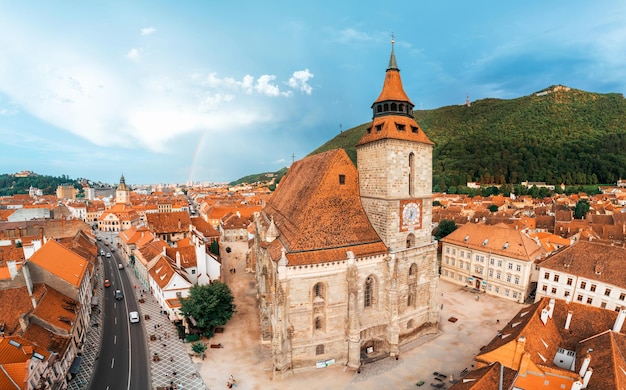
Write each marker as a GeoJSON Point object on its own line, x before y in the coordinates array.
{"type": "Point", "coordinates": [411, 173]}
{"type": "Point", "coordinates": [319, 350]}
{"type": "Point", "coordinates": [413, 270]}
{"type": "Point", "coordinates": [369, 297]}
{"type": "Point", "coordinates": [410, 240]}
{"type": "Point", "coordinates": [319, 291]}
{"type": "Point", "coordinates": [385, 107]}
{"type": "Point", "coordinates": [394, 107]}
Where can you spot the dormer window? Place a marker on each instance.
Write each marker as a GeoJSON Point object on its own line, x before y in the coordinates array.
{"type": "Point", "coordinates": [414, 129]}
{"type": "Point", "coordinates": [379, 128]}
{"type": "Point", "coordinates": [369, 130]}
{"type": "Point", "coordinates": [400, 127]}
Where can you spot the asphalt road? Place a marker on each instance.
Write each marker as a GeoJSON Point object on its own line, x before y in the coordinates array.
{"type": "Point", "coordinates": [123, 360]}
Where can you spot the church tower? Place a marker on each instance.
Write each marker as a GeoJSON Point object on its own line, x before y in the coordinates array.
{"type": "Point", "coordinates": [122, 193]}
{"type": "Point", "coordinates": [394, 160]}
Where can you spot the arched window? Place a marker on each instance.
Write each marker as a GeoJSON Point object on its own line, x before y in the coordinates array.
{"type": "Point", "coordinates": [394, 107]}
{"type": "Point", "coordinates": [319, 350]}
{"type": "Point", "coordinates": [410, 324]}
{"type": "Point", "coordinates": [411, 173]}
{"type": "Point", "coordinates": [410, 300]}
{"type": "Point", "coordinates": [369, 292]}
{"type": "Point", "coordinates": [319, 291]}
{"type": "Point", "coordinates": [413, 269]}
{"type": "Point", "coordinates": [410, 240]}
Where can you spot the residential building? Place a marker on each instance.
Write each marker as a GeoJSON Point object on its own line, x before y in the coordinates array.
{"type": "Point", "coordinates": [66, 191]}
{"type": "Point", "coordinates": [494, 259]}
{"type": "Point", "coordinates": [587, 272]}
{"type": "Point", "coordinates": [553, 344]}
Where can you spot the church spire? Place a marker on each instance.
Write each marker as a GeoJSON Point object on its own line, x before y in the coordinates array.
{"type": "Point", "coordinates": [392, 60]}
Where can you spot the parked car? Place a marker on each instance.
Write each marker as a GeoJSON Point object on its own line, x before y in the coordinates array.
{"type": "Point", "coordinates": [120, 266]}
{"type": "Point", "coordinates": [101, 252]}
{"type": "Point", "coordinates": [107, 283]}
{"type": "Point", "coordinates": [108, 254]}
{"type": "Point", "coordinates": [118, 294]}
{"type": "Point", "coordinates": [133, 316]}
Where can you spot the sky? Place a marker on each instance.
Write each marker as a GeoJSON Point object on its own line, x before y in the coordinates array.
{"type": "Point", "coordinates": [179, 91]}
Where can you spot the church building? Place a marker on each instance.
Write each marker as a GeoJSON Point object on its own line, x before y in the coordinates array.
{"type": "Point", "coordinates": [345, 264]}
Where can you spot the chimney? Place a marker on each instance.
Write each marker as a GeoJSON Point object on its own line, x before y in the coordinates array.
{"type": "Point", "coordinates": [568, 320]}
{"type": "Point", "coordinates": [619, 321]}
{"type": "Point", "coordinates": [178, 259]}
{"type": "Point", "coordinates": [578, 385]}
{"type": "Point", "coordinates": [519, 350]}
{"type": "Point", "coordinates": [585, 365]}
{"type": "Point", "coordinates": [544, 316]}
{"type": "Point", "coordinates": [23, 322]}
{"type": "Point", "coordinates": [587, 377]}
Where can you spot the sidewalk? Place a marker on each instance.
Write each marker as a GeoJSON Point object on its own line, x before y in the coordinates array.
{"type": "Point", "coordinates": [175, 364]}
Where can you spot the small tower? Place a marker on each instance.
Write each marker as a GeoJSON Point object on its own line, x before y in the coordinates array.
{"type": "Point", "coordinates": [467, 100]}
{"type": "Point", "coordinates": [122, 193]}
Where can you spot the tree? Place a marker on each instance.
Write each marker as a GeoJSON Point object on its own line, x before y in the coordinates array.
{"type": "Point", "coordinates": [582, 206]}
{"type": "Point", "coordinates": [215, 248]}
{"type": "Point", "coordinates": [209, 305]}
{"type": "Point", "coordinates": [445, 227]}
{"type": "Point", "coordinates": [493, 208]}
{"type": "Point", "coordinates": [198, 348]}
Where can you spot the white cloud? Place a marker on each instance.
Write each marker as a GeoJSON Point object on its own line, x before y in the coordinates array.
{"type": "Point", "coordinates": [299, 81]}
{"type": "Point", "coordinates": [134, 54]}
{"type": "Point", "coordinates": [348, 35]}
{"type": "Point", "coordinates": [148, 30]}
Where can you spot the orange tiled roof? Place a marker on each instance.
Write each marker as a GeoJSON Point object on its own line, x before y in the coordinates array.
{"type": "Point", "coordinates": [177, 221]}
{"type": "Point", "coordinates": [187, 255]}
{"type": "Point", "coordinates": [60, 261]}
{"type": "Point", "coordinates": [317, 215]}
{"type": "Point", "coordinates": [204, 227]}
{"type": "Point", "coordinates": [14, 302]}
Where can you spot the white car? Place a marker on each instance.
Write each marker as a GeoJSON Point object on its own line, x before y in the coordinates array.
{"type": "Point", "coordinates": [108, 254]}
{"type": "Point", "coordinates": [133, 316]}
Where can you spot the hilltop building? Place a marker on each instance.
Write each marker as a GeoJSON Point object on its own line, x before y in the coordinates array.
{"type": "Point", "coordinates": [345, 264]}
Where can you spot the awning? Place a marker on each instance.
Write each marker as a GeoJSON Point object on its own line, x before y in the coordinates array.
{"type": "Point", "coordinates": [75, 368]}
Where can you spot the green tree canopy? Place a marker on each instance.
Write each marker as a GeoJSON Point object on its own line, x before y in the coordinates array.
{"type": "Point", "coordinates": [581, 209]}
{"type": "Point", "coordinates": [445, 227]}
{"type": "Point", "coordinates": [210, 305]}
{"type": "Point", "coordinates": [493, 208]}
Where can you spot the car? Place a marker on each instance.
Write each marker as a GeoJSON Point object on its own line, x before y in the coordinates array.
{"type": "Point", "coordinates": [101, 252]}
{"type": "Point", "coordinates": [108, 254]}
{"type": "Point", "coordinates": [133, 316]}
{"type": "Point", "coordinates": [98, 238]}
{"type": "Point", "coordinates": [533, 294]}
{"type": "Point", "coordinates": [107, 283]}
{"type": "Point", "coordinates": [112, 249]}
{"type": "Point", "coordinates": [120, 266]}
{"type": "Point", "coordinates": [119, 295]}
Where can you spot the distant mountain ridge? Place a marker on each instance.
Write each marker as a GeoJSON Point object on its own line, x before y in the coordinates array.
{"type": "Point", "coordinates": [556, 135]}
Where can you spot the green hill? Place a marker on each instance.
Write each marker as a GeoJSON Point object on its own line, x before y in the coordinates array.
{"type": "Point", "coordinates": [557, 135]}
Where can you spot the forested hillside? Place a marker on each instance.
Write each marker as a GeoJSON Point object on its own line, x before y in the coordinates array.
{"type": "Point", "coordinates": [558, 135]}
{"type": "Point", "coordinates": [11, 184]}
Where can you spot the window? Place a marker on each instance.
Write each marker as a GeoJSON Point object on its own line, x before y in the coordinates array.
{"type": "Point", "coordinates": [583, 285]}
{"type": "Point", "coordinates": [546, 275]}
{"type": "Point", "coordinates": [510, 265]}
{"type": "Point", "coordinates": [179, 294]}
{"type": "Point", "coordinates": [318, 323]}
{"type": "Point", "coordinates": [319, 350]}
{"type": "Point", "coordinates": [453, 262]}
{"type": "Point", "coordinates": [491, 273]}
{"type": "Point", "coordinates": [410, 240]}
{"type": "Point", "coordinates": [368, 295]}
{"type": "Point", "coordinates": [517, 280]}
{"type": "Point", "coordinates": [518, 268]}
{"type": "Point", "coordinates": [497, 290]}
{"type": "Point", "coordinates": [579, 298]}
{"type": "Point", "coordinates": [603, 305]}
{"type": "Point", "coordinates": [607, 292]}
{"type": "Point", "coordinates": [622, 296]}
{"type": "Point", "coordinates": [319, 291]}
{"type": "Point", "coordinates": [508, 278]}
{"type": "Point", "coordinates": [379, 128]}
{"type": "Point", "coordinates": [410, 300]}
{"type": "Point", "coordinates": [411, 172]}
{"type": "Point", "coordinates": [515, 294]}
{"type": "Point", "coordinates": [499, 263]}
{"type": "Point", "coordinates": [589, 300]}
{"type": "Point", "coordinates": [570, 281]}
{"type": "Point", "coordinates": [492, 261]}
{"type": "Point", "coordinates": [593, 287]}
{"type": "Point", "coordinates": [544, 288]}
{"type": "Point", "coordinates": [461, 264]}
{"type": "Point", "coordinates": [413, 269]}
{"type": "Point", "coordinates": [498, 275]}
{"type": "Point", "coordinates": [556, 278]}
{"type": "Point", "coordinates": [553, 290]}
{"type": "Point", "coordinates": [460, 277]}
{"type": "Point", "coordinates": [566, 293]}
{"type": "Point", "coordinates": [467, 265]}
{"type": "Point", "coordinates": [462, 253]}
{"type": "Point", "coordinates": [400, 127]}
{"type": "Point", "coordinates": [342, 179]}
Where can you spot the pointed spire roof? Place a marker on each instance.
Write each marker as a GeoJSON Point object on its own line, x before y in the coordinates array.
{"type": "Point", "coordinates": [393, 111]}
{"type": "Point", "coordinates": [392, 88]}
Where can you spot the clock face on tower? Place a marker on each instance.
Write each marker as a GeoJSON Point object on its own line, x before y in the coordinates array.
{"type": "Point", "coordinates": [410, 214]}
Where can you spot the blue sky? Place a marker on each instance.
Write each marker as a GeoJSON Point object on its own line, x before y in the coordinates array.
{"type": "Point", "coordinates": [167, 91]}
